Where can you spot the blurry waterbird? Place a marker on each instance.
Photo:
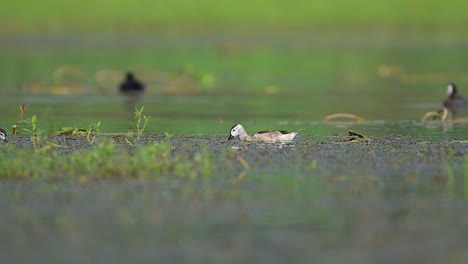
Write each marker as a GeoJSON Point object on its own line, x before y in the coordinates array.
{"type": "Point", "coordinates": [131, 86]}
{"type": "Point", "coordinates": [455, 102]}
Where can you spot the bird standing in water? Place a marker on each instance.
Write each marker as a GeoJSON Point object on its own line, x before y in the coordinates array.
{"type": "Point", "coordinates": [455, 103]}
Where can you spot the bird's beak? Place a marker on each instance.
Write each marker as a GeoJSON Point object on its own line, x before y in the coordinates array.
{"type": "Point", "coordinates": [230, 137]}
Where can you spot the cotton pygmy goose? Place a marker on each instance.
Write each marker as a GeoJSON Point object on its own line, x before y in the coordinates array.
{"type": "Point", "coordinates": [268, 136]}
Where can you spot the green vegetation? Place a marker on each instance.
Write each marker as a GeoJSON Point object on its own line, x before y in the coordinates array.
{"type": "Point", "coordinates": [106, 160]}
{"type": "Point", "coordinates": [33, 131]}
{"type": "Point", "coordinates": [92, 132]}
{"type": "Point", "coordinates": [148, 15]}
{"type": "Point", "coordinates": [139, 127]}
{"type": "Point", "coordinates": [46, 158]}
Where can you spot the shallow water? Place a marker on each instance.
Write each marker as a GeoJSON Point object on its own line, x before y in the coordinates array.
{"type": "Point", "coordinates": [215, 114]}
{"type": "Point", "coordinates": [267, 78]}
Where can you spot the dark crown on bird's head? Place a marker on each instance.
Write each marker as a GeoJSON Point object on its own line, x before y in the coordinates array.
{"type": "Point", "coordinates": [234, 126]}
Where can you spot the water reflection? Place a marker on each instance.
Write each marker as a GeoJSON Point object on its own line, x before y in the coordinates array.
{"type": "Point", "coordinates": [215, 114]}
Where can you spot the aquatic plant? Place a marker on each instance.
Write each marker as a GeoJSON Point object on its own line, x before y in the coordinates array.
{"type": "Point", "coordinates": [139, 126]}
{"type": "Point", "coordinates": [33, 130]}
{"type": "Point", "coordinates": [92, 132]}
{"type": "Point", "coordinates": [107, 160]}
{"type": "Point", "coordinates": [71, 131]}
{"type": "Point", "coordinates": [16, 126]}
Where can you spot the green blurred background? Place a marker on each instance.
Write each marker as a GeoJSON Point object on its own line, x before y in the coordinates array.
{"type": "Point", "coordinates": [157, 15]}
{"type": "Point", "coordinates": [186, 47]}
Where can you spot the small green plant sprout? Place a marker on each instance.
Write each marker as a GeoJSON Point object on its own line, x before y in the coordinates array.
{"type": "Point", "coordinates": [138, 125]}
{"type": "Point", "coordinates": [92, 132]}
{"type": "Point", "coordinates": [16, 126]}
{"type": "Point", "coordinates": [33, 131]}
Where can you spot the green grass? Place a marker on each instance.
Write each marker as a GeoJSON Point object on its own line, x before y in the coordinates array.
{"type": "Point", "coordinates": [148, 15]}
{"type": "Point", "coordinates": [106, 160]}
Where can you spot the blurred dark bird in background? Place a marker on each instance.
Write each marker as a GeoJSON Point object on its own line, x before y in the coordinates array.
{"type": "Point", "coordinates": [455, 103]}
{"type": "Point", "coordinates": [131, 86]}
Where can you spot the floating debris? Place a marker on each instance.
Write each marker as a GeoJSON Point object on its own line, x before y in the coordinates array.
{"type": "Point", "coordinates": [71, 131]}
{"type": "Point", "coordinates": [68, 79]}
{"type": "Point", "coordinates": [461, 120]}
{"type": "Point", "coordinates": [108, 79]}
{"type": "Point", "coordinates": [356, 137]}
{"type": "Point", "coordinates": [441, 115]}
{"type": "Point", "coordinates": [354, 117]}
